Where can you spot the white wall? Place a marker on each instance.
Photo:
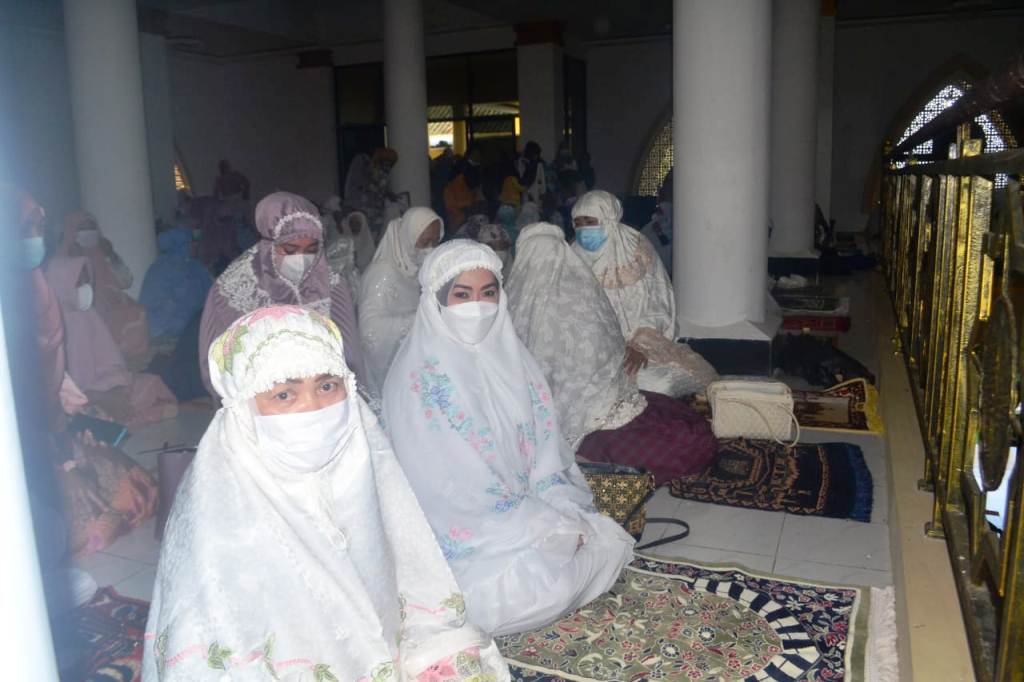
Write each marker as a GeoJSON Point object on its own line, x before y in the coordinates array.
{"type": "Point", "coordinates": [877, 68]}
{"type": "Point", "coordinates": [274, 122]}
{"type": "Point", "coordinates": [629, 90]}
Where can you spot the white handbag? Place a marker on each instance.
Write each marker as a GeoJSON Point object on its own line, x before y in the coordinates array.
{"type": "Point", "coordinates": [746, 408]}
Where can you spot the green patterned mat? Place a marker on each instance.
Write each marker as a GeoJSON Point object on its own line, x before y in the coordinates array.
{"type": "Point", "coordinates": [670, 620]}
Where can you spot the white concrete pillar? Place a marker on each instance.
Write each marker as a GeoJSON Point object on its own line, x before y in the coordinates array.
{"type": "Point", "coordinates": [794, 125]}
{"type": "Point", "coordinates": [156, 97]}
{"type": "Point", "coordinates": [109, 120]}
{"type": "Point", "coordinates": [721, 54]}
{"type": "Point", "coordinates": [826, 85]}
{"type": "Point", "coordinates": [541, 96]}
{"type": "Point", "coordinates": [405, 89]}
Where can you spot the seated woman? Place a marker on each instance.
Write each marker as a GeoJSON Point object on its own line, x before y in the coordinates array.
{"type": "Point", "coordinates": [101, 491]}
{"type": "Point", "coordinates": [472, 421]}
{"type": "Point", "coordinates": [295, 548]}
{"type": "Point", "coordinates": [350, 222]}
{"type": "Point", "coordinates": [563, 316]}
{"type": "Point", "coordinates": [635, 281]}
{"type": "Point", "coordinates": [125, 318]}
{"type": "Point", "coordinates": [175, 287]}
{"type": "Point", "coordinates": [350, 246]}
{"type": "Point", "coordinates": [94, 361]}
{"type": "Point", "coordinates": [287, 266]}
{"type": "Point", "coordinates": [389, 290]}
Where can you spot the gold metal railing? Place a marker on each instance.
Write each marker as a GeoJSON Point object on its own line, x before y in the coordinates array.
{"type": "Point", "coordinates": [953, 249]}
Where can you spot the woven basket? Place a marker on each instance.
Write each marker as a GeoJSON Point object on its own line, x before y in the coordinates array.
{"type": "Point", "coordinates": [621, 492]}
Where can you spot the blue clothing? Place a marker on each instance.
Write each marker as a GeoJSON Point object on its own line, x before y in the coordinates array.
{"type": "Point", "coordinates": [176, 285]}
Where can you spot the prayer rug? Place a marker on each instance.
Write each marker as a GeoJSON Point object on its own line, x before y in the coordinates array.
{"type": "Point", "coordinates": [825, 479]}
{"type": "Point", "coordinates": [671, 620]}
{"type": "Point", "coordinates": [110, 628]}
{"type": "Point", "coordinates": [849, 407]}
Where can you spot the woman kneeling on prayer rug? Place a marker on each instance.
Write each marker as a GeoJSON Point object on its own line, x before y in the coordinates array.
{"type": "Point", "coordinates": [295, 549]}
{"type": "Point", "coordinates": [473, 424]}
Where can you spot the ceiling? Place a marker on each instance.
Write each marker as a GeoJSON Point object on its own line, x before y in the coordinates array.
{"type": "Point", "coordinates": [224, 28]}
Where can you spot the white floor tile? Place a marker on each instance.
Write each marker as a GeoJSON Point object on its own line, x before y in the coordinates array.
{"type": "Point", "coordinates": [139, 586]}
{"type": "Point", "coordinates": [107, 569]}
{"type": "Point", "coordinates": [138, 545]}
{"type": "Point", "coordinates": [716, 526]}
{"type": "Point", "coordinates": [759, 563]}
{"type": "Point", "coordinates": [829, 573]}
{"type": "Point", "coordinates": [835, 541]}
{"type": "Point", "coordinates": [185, 429]}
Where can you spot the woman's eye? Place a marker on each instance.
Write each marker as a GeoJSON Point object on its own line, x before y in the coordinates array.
{"type": "Point", "coordinates": [461, 294]}
{"type": "Point", "coordinates": [328, 386]}
{"type": "Point", "coordinates": [283, 395]}
{"type": "Point", "coordinates": [491, 293]}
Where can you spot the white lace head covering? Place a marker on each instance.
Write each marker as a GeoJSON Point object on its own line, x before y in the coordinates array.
{"type": "Point", "coordinates": [266, 572]}
{"type": "Point", "coordinates": [399, 243]}
{"type": "Point", "coordinates": [625, 257]}
{"type": "Point", "coordinates": [564, 317]}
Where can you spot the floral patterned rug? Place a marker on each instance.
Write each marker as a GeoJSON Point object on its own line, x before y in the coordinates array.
{"type": "Point", "coordinates": [669, 620]}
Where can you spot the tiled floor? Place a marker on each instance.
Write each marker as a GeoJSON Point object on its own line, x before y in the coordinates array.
{"type": "Point", "coordinates": [813, 548]}
{"type": "Point", "coordinates": [129, 564]}
{"type": "Point", "coordinates": [809, 547]}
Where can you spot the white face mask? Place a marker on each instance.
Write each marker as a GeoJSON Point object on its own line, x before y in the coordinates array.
{"type": "Point", "coordinates": [471, 321]}
{"type": "Point", "coordinates": [295, 266]}
{"type": "Point", "coordinates": [83, 296]}
{"type": "Point", "coordinates": [88, 239]}
{"type": "Point", "coordinates": [420, 255]}
{"type": "Point", "coordinates": [304, 441]}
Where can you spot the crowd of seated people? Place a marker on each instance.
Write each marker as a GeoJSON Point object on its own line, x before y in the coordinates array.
{"type": "Point", "coordinates": [401, 412]}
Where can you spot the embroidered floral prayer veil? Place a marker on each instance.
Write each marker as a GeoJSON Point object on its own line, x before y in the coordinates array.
{"type": "Point", "coordinates": [266, 573]}
{"type": "Point", "coordinates": [476, 431]}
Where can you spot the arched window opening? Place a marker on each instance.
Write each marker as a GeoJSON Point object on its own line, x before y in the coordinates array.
{"type": "Point", "coordinates": [993, 129]}
{"type": "Point", "coordinates": [181, 179]}
{"type": "Point", "coordinates": [656, 161]}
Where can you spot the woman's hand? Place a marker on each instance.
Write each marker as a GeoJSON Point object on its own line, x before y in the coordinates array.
{"type": "Point", "coordinates": [634, 361]}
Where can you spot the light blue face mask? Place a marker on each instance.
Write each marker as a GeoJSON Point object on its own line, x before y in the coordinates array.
{"type": "Point", "coordinates": [591, 238]}
{"type": "Point", "coordinates": [33, 252]}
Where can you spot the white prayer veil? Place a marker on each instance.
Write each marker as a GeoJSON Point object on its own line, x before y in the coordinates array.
{"type": "Point", "coordinates": [269, 573]}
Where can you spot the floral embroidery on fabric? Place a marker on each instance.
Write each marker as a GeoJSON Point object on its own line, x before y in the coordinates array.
{"type": "Point", "coordinates": [464, 666]}
{"type": "Point", "coordinates": [436, 397]}
{"type": "Point", "coordinates": [219, 657]}
{"type": "Point", "coordinates": [383, 672]}
{"type": "Point", "coordinates": [549, 482]}
{"type": "Point", "coordinates": [455, 545]}
{"type": "Point", "coordinates": [508, 499]}
{"type": "Point", "coordinates": [540, 399]}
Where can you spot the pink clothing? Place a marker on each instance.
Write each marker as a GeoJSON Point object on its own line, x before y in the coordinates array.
{"type": "Point", "coordinates": [93, 359]}
{"type": "Point", "coordinates": [254, 281]}
{"type": "Point", "coordinates": [125, 318]}
{"type": "Point", "coordinates": [49, 333]}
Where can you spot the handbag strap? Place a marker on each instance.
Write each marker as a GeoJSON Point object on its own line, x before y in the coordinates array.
{"type": "Point", "coordinates": [757, 409]}
{"type": "Point", "coordinates": [657, 519]}
{"type": "Point", "coordinates": [667, 539]}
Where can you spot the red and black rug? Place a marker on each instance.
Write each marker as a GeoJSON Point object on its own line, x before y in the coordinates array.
{"type": "Point", "coordinates": [110, 630]}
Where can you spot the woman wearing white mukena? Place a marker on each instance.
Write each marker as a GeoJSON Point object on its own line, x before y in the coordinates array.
{"type": "Point", "coordinates": [295, 549]}
{"type": "Point", "coordinates": [474, 426]}
{"type": "Point", "coordinates": [635, 281]}
{"type": "Point", "coordinates": [388, 291]}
